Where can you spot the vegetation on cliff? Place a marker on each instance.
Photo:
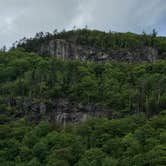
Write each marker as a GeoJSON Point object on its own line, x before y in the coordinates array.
{"type": "Point", "coordinates": [104, 41]}
{"type": "Point", "coordinates": [135, 94]}
{"type": "Point", "coordinates": [124, 88]}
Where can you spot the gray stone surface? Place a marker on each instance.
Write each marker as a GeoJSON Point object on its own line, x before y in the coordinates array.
{"type": "Point", "coordinates": [65, 50]}
{"type": "Point", "coordinates": [59, 111]}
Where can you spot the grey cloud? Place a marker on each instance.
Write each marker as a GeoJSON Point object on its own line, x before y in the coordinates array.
{"type": "Point", "coordinates": [21, 18]}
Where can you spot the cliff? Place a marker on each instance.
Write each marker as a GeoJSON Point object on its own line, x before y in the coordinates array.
{"type": "Point", "coordinates": [59, 111]}
{"type": "Point", "coordinates": [67, 50]}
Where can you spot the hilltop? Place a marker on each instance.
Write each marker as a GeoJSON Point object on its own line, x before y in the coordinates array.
{"type": "Point", "coordinates": [98, 46]}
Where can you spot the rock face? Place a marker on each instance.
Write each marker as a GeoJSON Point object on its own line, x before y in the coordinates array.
{"type": "Point", "coordinates": [59, 112]}
{"type": "Point", "coordinates": [66, 50]}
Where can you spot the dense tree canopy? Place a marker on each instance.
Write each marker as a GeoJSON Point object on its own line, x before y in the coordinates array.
{"type": "Point", "coordinates": [135, 93]}
{"type": "Point", "coordinates": [124, 88]}
{"type": "Point", "coordinates": [134, 140]}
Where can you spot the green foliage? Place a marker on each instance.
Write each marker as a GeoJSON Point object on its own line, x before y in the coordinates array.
{"type": "Point", "coordinates": [123, 88]}
{"type": "Point", "coordinates": [97, 142]}
{"type": "Point", "coordinates": [97, 39]}
{"type": "Point", "coordinates": [134, 93]}
{"type": "Point", "coordinates": [92, 157]}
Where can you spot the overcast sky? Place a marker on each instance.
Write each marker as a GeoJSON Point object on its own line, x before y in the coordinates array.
{"type": "Point", "coordinates": [19, 18]}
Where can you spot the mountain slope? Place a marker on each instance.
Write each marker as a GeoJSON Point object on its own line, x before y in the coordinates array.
{"type": "Point", "coordinates": [56, 111]}
{"type": "Point", "coordinates": [70, 90]}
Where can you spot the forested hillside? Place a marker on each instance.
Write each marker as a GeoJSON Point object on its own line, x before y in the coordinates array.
{"type": "Point", "coordinates": [132, 94]}
{"type": "Point", "coordinates": [124, 88]}
{"type": "Point", "coordinates": [134, 140]}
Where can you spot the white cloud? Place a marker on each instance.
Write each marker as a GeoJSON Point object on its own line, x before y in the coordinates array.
{"type": "Point", "coordinates": [21, 18]}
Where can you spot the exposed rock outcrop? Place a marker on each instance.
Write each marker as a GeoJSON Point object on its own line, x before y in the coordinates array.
{"type": "Point", "coordinates": [60, 111]}
{"type": "Point", "coordinates": [66, 50]}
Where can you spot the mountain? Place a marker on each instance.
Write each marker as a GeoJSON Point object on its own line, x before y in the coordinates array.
{"type": "Point", "coordinates": [60, 106]}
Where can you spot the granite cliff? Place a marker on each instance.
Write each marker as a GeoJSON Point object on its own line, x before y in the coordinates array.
{"type": "Point", "coordinates": [67, 50]}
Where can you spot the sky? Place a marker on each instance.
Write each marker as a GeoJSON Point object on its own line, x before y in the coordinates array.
{"type": "Point", "coordinates": [23, 18]}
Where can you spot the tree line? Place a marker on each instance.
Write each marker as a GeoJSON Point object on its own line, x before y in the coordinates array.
{"type": "Point", "coordinates": [97, 39]}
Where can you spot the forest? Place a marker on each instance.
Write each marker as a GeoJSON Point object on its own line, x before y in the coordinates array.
{"type": "Point", "coordinates": [135, 94]}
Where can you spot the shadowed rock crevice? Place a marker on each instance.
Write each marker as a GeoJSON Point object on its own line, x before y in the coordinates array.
{"type": "Point", "coordinates": [59, 111]}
